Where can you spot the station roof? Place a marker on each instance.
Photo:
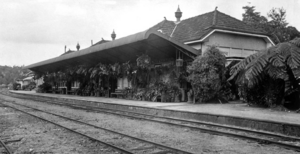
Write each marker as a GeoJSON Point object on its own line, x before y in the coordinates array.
{"type": "Point", "coordinates": [156, 45]}
{"type": "Point", "coordinates": [196, 28]}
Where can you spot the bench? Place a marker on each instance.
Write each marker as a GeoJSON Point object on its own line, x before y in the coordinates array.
{"type": "Point", "coordinates": [118, 92]}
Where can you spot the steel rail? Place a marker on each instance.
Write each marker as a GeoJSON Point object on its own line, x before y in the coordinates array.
{"type": "Point", "coordinates": [135, 138]}
{"type": "Point", "coordinates": [113, 111]}
{"type": "Point", "coordinates": [105, 110]}
{"type": "Point", "coordinates": [265, 141]}
{"type": "Point", "coordinates": [5, 147]}
{"type": "Point", "coordinates": [259, 140]}
{"type": "Point", "coordinates": [94, 139]}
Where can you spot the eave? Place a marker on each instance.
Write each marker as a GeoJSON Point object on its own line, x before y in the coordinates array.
{"type": "Point", "coordinates": [266, 38]}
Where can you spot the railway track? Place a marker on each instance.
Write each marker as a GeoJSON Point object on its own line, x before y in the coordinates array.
{"type": "Point", "coordinates": [288, 142]}
{"type": "Point", "coordinates": [4, 148]}
{"type": "Point", "coordinates": [128, 143]}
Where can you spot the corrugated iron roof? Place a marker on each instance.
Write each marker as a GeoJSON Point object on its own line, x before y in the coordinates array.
{"type": "Point", "coordinates": [120, 50]}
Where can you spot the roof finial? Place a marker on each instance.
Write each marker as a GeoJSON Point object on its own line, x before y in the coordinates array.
{"type": "Point", "coordinates": [216, 8]}
{"type": "Point", "coordinates": [178, 14]}
{"type": "Point", "coordinates": [178, 9]}
{"type": "Point", "coordinates": [165, 18]}
{"type": "Point", "coordinates": [78, 46]}
{"type": "Point", "coordinates": [113, 35]}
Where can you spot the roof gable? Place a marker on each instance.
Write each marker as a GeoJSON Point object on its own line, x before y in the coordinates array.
{"type": "Point", "coordinates": [69, 51]}
{"type": "Point", "coordinates": [197, 27]}
{"type": "Point", "coordinates": [100, 42]}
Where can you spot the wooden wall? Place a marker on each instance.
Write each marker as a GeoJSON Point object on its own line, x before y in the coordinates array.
{"type": "Point", "coordinates": [233, 45]}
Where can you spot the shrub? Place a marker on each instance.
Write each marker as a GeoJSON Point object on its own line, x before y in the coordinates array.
{"type": "Point", "coordinates": [207, 75]}
{"type": "Point", "coordinates": [267, 94]}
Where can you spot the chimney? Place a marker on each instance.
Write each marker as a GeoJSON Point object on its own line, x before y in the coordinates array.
{"type": "Point", "coordinates": [113, 35]}
{"type": "Point", "coordinates": [65, 48]}
{"type": "Point", "coordinates": [92, 42]}
{"type": "Point", "coordinates": [178, 14]}
{"type": "Point", "coordinates": [78, 46]}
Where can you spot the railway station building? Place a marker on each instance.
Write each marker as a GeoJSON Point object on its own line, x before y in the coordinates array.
{"type": "Point", "coordinates": [139, 65]}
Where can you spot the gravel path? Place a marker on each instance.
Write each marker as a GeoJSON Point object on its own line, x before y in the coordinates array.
{"type": "Point", "coordinates": [185, 139]}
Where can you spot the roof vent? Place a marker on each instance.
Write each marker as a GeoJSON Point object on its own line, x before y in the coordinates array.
{"type": "Point", "coordinates": [178, 14]}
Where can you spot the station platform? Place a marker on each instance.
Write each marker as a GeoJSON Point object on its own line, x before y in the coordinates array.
{"type": "Point", "coordinates": [233, 113]}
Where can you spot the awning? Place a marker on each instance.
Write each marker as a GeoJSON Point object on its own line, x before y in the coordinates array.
{"type": "Point", "coordinates": [154, 43]}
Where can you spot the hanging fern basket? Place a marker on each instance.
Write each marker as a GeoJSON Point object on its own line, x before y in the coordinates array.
{"type": "Point", "coordinates": [143, 61]}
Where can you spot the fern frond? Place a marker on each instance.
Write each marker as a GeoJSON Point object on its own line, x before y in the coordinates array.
{"type": "Point", "coordinates": [277, 60]}
{"type": "Point", "coordinates": [294, 59]}
{"type": "Point", "coordinates": [283, 49]}
{"type": "Point", "coordinates": [295, 41]}
{"type": "Point", "coordinates": [275, 72]}
{"type": "Point", "coordinates": [296, 72]}
{"type": "Point", "coordinates": [256, 67]}
{"type": "Point", "coordinates": [234, 71]}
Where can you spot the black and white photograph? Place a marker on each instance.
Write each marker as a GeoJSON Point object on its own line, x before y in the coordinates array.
{"type": "Point", "coordinates": [149, 77]}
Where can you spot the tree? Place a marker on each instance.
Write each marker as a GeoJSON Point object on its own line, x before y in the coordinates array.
{"type": "Point", "coordinates": [10, 74]}
{"type": "Point", "coordinates": [253, 18]}
{"type": "Point", "coordinates": [207, 74]}
{"type": "Point", "coordinates": [280, 62]}
{"type": "Point", "coordinates": [277, 27]}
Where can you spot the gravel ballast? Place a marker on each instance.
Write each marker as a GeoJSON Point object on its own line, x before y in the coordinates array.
{"type": "Point", "coordinates": [178, 137]}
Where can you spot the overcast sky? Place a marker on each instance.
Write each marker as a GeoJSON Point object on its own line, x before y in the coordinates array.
{"type": "Point", "coordinates": [36, 30]}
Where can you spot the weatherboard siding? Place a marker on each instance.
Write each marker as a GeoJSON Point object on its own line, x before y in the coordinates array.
{"type": "Point", "coordinates": [233, 45]}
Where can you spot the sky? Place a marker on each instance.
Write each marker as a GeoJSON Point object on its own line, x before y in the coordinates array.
{"type": "Point", "coordinates": [35, 30]}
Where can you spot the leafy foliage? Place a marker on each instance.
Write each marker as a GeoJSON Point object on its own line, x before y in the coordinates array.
{"type": "Point", "coordinates": [44, 87]}
{"type": "Point", "coordinates": [144, 78]}
{"type": "Point", "coordinates": [9, 74]}
{"type": "Point", "coordinates": [278, 62]}
{"type": "Point", "coordinates": [30, 86]}
{"type": "Point", "coordinates": [207, 74]}
{"type": "Point", "coordinates": [277, 27]}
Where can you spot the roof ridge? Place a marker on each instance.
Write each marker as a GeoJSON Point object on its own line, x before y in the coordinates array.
{"type": "Point", "coordinates": [197, 16]}
{"type": "Point", "coordinates": [262, 31]}
{"type": "Point", "coordinates": [231, 17]}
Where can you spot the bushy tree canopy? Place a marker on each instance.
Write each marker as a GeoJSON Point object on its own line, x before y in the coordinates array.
{"type": "Point", "coordinates": [277, 26]}
{"type": "Point", "coordinates": [9, 74]}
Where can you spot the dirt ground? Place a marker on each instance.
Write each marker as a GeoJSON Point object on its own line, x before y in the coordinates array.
{"type": "Point", "coordinates": [40, 137]}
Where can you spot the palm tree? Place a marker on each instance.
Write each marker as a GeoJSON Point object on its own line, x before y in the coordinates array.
{"type": "Point", "coordinates": [279, 62]}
